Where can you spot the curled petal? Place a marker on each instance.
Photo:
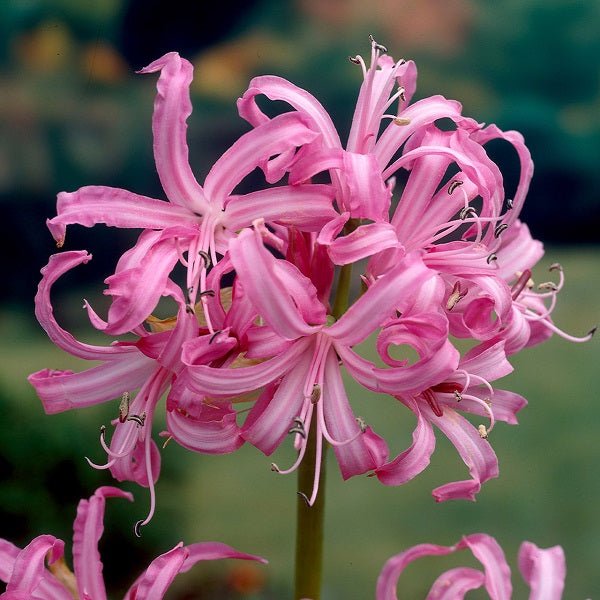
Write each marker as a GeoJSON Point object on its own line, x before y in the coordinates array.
{"type": "Point", "coordinates": [59, 264]}
{"type": "Point", "coordinates": [172, 107]}
{"type": "Point", "coordinates": [413, 460]}
{"type": "Point", "coordinates": [544, 570]}
{"type": "Point", "coordinates": [87, 531]}
{"type": "Point", "coordinates": [455, 583]}
{"type": "Point", "coordinates": [133, 466]}
{"type": "Point", "coordinates": [476, 453]}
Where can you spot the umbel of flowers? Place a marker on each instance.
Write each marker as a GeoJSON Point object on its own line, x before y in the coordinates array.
{"type": "Point", "coordinates": [265, 320]}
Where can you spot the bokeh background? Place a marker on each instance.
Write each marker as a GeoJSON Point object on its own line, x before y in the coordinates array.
{"type": "Point", "coordinates": [72, 113]}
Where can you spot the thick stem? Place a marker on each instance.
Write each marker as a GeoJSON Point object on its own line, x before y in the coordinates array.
{"type": "Point", "coordinates": [309, 525]}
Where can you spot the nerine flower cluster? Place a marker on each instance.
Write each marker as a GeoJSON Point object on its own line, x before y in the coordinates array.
{"type": "Point", "coordinates": [419, 209]}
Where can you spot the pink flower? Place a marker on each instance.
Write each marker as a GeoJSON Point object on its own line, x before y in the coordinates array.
{"type": "Point", "coordinates": [197, 220]}
{"type": "Point", "coordinates": [148, 365]}
{"type": "Point", "coordinates": [301, 376]}
{"type": "Point", "coordinates": [39, 571]}
{"type": "Point", "coordinates": [542, 569]}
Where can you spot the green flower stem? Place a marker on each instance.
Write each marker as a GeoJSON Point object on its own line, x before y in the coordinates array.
{"type": "Point", "coordinates": [309, 525]}
{"type": "Point", "coordinates": [310, 519]}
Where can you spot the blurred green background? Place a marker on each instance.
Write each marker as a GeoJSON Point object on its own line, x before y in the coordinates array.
{"type": "Point", "coordinates": [72, 113]}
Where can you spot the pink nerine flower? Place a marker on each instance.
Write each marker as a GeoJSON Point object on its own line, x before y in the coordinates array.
{"type": "Point", "coordinates": [39, 572]}
{"type": "Point", "coordinates": [543, 570]}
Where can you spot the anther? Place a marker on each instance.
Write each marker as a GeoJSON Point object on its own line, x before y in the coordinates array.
{"type": "Point", "coordinates": [457, 396]}
{"type": "Point", "coordinates": [210, 293]}
{"type": "Point", "coordinates": [401, 121]}
{"type": "Point", "coordinates": [483, 432]}
{"type": "Point", "coordinates": [139, 419]}
{"type": "Point", "coordinates": [274, 468]}
{"type": "Point", "coordinates": [499, 229]}
{"type": "Point", "coordinates": [124, 407]}
{"type": "Point", "coordinates": [377, 46]}
{"type": "Point", "coordinates": [214, 335]}
{"type": "Point", "coordinates": [315, 395]}
{"type": "Point", "coordinates": [509, 203]}
{"type": "Point", "coordinates": [467, 211]}
{"type": "Point", "coordinates": [455, 297]}
{"type": "Point", "coordinates": [362, 424]}
{"type": "Point", "coordinates": [167, 441]}
{"type": "Point", "coordinates": [304, 497]}
{"type": "Point", "coordinates": [103, 432]}
{"type": "Point", "coordinates": [402, 91]}
{"type": "Point", "coordinates": [205, 258]}
{"type": "Point", "coordinates": [454, 184]}
{"type": "Point", "coordinates": [555, 267]}
{"type": "Point", "coordinates": [189, 309]}
{"type": "Point", "coordinates": [592, 331]}
{"type": "Point", "coordinates": [548, 285]}
{"type": "Point", "coordinates": [299, 427]}
{"type": "Point", "coordinates": [354, 60]}
{"type": "Point", "coordinates": [137, 528]}
{"type": "Point", "coordinates": [491, 258]}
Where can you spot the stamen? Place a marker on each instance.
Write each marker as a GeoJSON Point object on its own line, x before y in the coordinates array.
{"type": "Point", "coordinates": [555, 267]}
{"type": "Point", "coordinates": [354, 60]}
{"type": "Point", "coordinates": [430, 398]}
{"type": "Point", "coordinates": [210, 293]}
{"type": "Point", "coordinates": [214, 335]}
{"type": "Point", "coordinates": [139, 419]}
{"type": "Point", "coordinates": [492, 257]}
{"type": "Point", "coordinates": [456, 296]}
{"type": "Point", "coordinates": [467, 211]}
{"type": "Point", "coordinates": [457, 395]}
{"type": "Point", "coordinates": [305, 498]}
{"type": "Point", "coordinates": [362, 424]}
{"type": "Point", "coordinates": [298, 428]}
{"type": "Point", "coordinates": [205, 257]}
{"type": "Point", "coordinates": [401, 121]}
{"type": "Point", "coordinates": [401, 91]}
{"type": "Point", "coordinates": [275, 468]}
{"type": "Point", "coordinates": [499, 229]}
{"type": "Point", "coordinates": [523, 281]}
{"type": "Point", "coordinates": [315, 395]}
{"type": "Point", "coordinates": [124, 407]}
{"type": "Point", "coordinates": [167, 441]}
{"type": "Point", "coordinates": [592, 331]}
{"type": "Point", "coordinates": [453, 185]}
{"type": "Point", "coordinates": [483, 432]}
{"type": "Point", "coordinates": [189, 309]}
{"type": "Point", "coordinates": [548, 285]}
{"type": "Point", "coordinates": [137, 528]}
{"type": "Point", "coordinates": [509, 203]}
{"type": "Point", "coordinates": [378, 47]}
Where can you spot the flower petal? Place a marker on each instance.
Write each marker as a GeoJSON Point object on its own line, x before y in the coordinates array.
{"type": "Point", "coordinates": [413, 460]}
{"type": "Point", "coordinates": [544, 570]}
{"type": "Point", "coordinates": [455, 583]}
{"type": "Point", "coordinates": [116, 208]}
{"type": "Point", "coordinates": [87, 531]}
{"type": "Point", "coordinates": [172, 107]}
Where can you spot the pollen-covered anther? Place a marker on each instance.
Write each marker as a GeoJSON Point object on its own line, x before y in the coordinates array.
{"type": "Point", "coordinates": [491, 258]}
{"type": "Point", "coordinates": [274, 468]}
{"type": "Point", "coordinates": [362, 424]}
{"type": "Point", "coordinates": [548, 285]}
{"type": "Point", "coordinates": [457, 396]}
{"type": "Point", "coordinates": [467, 211]}
{"type": "Point", "coordinates": [483, 432]}
{"type": "Point", "coordinates": [210, 293]}
{"type": "Point", "coordinates": [354, 60]}
{"type": "Point", "coordinates": [499, 229]}
{"type": "Point", "coordinates": [315, 395]}
{"type": "Point", "coordinates": [379, 47]}
{"type": "Point", "coordinates": [555, 267]}
{"type": "Point", "coordinates": [124, 407]}
{"type": "Point", "coordinates": [454, 185]}
{"type": "Point", "coordinates": [189, 309]}
{"type": "Point", "coordinates": [401, 121]}
{"type": "Point", "coordinates": [401, 90]}
{"type": "Point", "coordinates": [103, 432]}
{"type": "Point", "coordinates": [455, 296]}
